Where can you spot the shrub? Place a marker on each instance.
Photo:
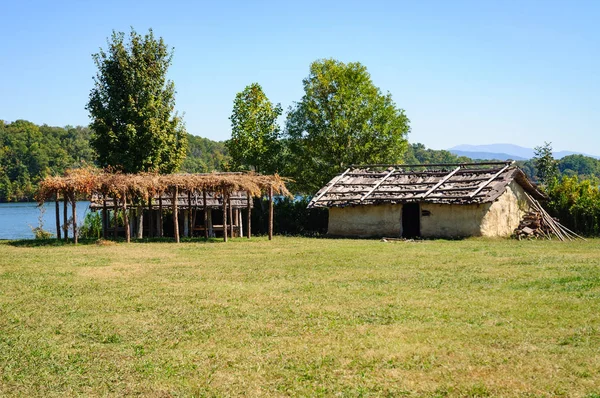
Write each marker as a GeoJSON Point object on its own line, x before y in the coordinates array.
{"type": "Point", "coordinates": [92, 226]}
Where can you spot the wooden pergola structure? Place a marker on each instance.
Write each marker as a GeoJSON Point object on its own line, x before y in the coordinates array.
{"type": "Point", "coordinates": [120, 191]}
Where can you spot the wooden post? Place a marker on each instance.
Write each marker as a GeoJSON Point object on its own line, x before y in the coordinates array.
{"type": "Point", "coordinates": [140, 221]}
{"type": "Point", "coordinates": [150, 218]}
{"type": "Point", "coordinates": [74, 209]}
{"type": "Point", "coordinates": [231, 218]}
{"type": "Point", "coordinates": [249, 215]}
{"type": "Point", "coordinates": [65, 216]}
{"type": "Point", "coordinates": [57, 205]}
{"type": "Point", "coordinates": [175, 215]}
{"type": "Point", "coordinates": [240, 222]}
{"type": "Point", "coordinates": [205, 215]}
{"type": "Point", "coordinates": [126, 219]}
{"type": "Point", "coordinates": [270, 213]}
{"type": "Point", "coordinates": [104, 218]}
{"type": "Point", "coordinates": [211, 232]}
{"type": "Point", "coordinates": [115, 218]}
{"type": "Point", "coordinates": [189, 226]}
{"type": "Point", "coordinates": [224, 217]}
{"type": "Point", "coordinates": [160, 216]}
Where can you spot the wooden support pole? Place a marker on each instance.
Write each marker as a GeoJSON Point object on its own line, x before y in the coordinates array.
{"type": "Point", "coordinates": [65, 217]}
{"type": "Point", "coordinates": [126, 219]}
{"type": "Point", "coordinates": [57, 206]}
{"type": "Point", "coordinates": [175, 215]}
{"type": "Point", "coordinates": [224, 217]}
{"type": "Point", "coordinates": [139, 212]}
{"type": "Point", "coordinates": [231, 218]}
{"type": "Point", "coordinates": [270, 213]}
{"type": "Point", "coordinates": [74, 210]}
{"type": "Point", "coordinates": [205, 215]}
{"type": "Point", "coordinates": [104, 218]}
{"type": "Point", "coordinates": [160, 216]}
{"type": "Point", "coordinates": [249, 215]}
{"type": "Point", "coordinates": [115, 218]}
{"type": "Point", "coordinates": [240, 219]}
{"type": "Point", "coordinates": [150, 218]}
{"type": "Point", "coordinates": [190, 228]}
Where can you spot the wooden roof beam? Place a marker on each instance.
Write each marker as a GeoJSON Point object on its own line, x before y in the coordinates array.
{"type": "Point", "coordinates": [492, 178]}
{"type": "Point", "coordinates": [441, 182]}
{"type": "Point", "coordinates": [378, 184]}
{"type": "Point", "coordinates": [334, 181]}
{"type": "Point", "coordinates": [355, 166]}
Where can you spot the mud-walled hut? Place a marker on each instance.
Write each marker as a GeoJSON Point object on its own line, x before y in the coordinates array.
{"type": "Point", "coordinates": [444, 200]}
{"type": "Point", "coordinates": [152, 205]}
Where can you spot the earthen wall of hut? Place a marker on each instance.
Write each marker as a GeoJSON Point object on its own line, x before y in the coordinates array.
{"type": "Point", "coordinates": [496, 219]}
{"type": "Point", "coordinates": [451, 220]}
{"type": "Point", "coordinates": [365, 221]}
{"type": "Point", "coordinates": [506, 212]}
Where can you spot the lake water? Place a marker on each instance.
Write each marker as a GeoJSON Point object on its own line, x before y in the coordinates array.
{"type": "Point", "coordinates": [17, 219]}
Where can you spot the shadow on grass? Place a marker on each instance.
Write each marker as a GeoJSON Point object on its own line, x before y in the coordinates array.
{"type": "Point", "coordinates": [102, 242]}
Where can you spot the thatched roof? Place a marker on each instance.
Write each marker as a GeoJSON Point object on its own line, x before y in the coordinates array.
{"type": "Point", "coordinates": [443, 183]}
{"type": "Point", "coordinates": [91, 182]}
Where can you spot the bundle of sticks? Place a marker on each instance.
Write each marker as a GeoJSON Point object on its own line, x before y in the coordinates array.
{"type": "Point", "coordinates": [537, 223]}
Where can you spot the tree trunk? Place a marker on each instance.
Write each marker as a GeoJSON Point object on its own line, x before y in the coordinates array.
{"type": "Point", "coordinates": [249, 213]}
{"type": "Point", "coordinates": [175, 215]}
{"type": "Point", "coordinates": [270, 213]}
{"type": "Point", "coordinates": [57, 206]}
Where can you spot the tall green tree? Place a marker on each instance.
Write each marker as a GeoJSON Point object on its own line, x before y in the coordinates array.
{"type": "Point", "coordinates": [342, 119]}
{"type": "Point", "coordinates": [545, 164]}
{"type": "Point", "coordinates": [132, 106]}
{"type": "Point", "coordinates": [254, 131]}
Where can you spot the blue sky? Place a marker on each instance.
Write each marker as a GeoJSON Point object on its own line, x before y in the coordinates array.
{"type": "Point", "coordinates": [466, 72]}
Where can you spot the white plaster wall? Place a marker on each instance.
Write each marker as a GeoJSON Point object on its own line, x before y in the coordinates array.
{"type": "Point", "coordinates": [506, 212]}
{"type": "Point", "coordinates": [452, 221]}
{"type": "Point", "coordinates": [365, 221]}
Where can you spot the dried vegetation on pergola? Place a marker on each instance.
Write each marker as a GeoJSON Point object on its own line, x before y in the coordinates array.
{"type": "Point", "coordinates": [132, 189]}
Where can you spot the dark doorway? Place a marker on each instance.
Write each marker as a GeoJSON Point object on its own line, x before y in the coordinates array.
{"type": "Point", "coordinates": [411, 221]}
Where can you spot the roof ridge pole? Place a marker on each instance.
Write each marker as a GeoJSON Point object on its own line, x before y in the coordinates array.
{"type": "Point", "coordinates": [485, 183]}
{"type": "Point", "coordinates": [334, 181]}
{"type": "Point", "coordinates": [378, 184]}
{"type": "Point", "coordinates": [440, 182]}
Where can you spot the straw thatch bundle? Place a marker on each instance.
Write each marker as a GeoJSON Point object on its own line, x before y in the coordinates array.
{"type": "Point", "coordinates": [85, 182]}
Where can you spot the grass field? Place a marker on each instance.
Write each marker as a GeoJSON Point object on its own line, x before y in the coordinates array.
{"type": "Point", "coordinates": [301, 317]}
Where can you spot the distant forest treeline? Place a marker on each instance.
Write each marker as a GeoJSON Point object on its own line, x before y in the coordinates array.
{"type": "Point", "coordinates": [29, 152]}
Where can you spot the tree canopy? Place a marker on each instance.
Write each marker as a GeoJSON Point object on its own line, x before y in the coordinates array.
{"type": "Point", "coordinates": [342, 119]}
{"type": "Point", "coordinates": [545, 164]}
{"type": "Point", "coordinates": [132, 106]}
{"type": "Point", "coordinates": [254, 131]}
{"type": "Point", "coordinates": [29, 152]}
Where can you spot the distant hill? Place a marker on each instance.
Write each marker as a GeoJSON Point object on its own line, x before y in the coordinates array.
{"type": "Point", "coordinates": [505, 151]}
{"type": "Point", "coordinates": [485, 155]}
